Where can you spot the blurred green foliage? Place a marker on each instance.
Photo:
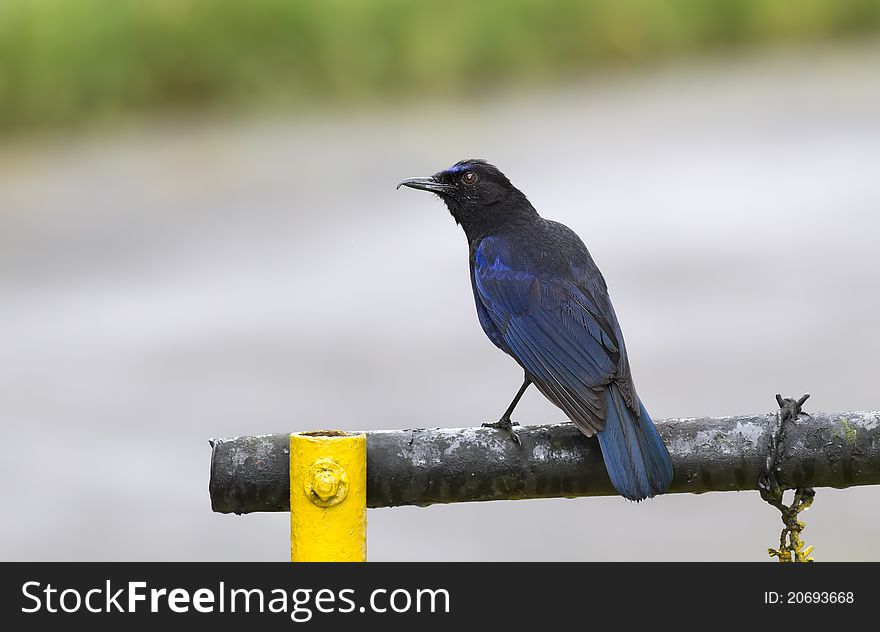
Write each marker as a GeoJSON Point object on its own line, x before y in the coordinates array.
{"type": "Point", "coordinates": [64, 62]}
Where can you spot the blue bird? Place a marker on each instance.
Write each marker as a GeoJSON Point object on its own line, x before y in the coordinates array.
{"type": "Point", "coordinates": [541, 299]}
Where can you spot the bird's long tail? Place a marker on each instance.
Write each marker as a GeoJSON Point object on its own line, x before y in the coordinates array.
{"type": "Point", "coordinates": [635, 457]}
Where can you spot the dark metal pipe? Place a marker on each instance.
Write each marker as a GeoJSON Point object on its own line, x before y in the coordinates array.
{"type": "Point", "coordinates": [451, 465]}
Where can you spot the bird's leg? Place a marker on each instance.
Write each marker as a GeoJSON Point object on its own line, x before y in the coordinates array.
{"type": "Point", "coordinates": [505, 423]}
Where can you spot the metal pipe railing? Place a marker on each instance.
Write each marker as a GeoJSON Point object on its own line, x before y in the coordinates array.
{"type": "Point", "coordinates": [447, 465]}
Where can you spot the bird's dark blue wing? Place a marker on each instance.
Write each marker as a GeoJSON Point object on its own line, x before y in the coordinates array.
{"type": "Point", "coordinates": [556, 332]}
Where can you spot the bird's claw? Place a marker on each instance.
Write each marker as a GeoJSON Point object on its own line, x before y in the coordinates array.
{"type": "Point", "coordinates": [501, 424]}
{"type": "Point", "coordinates": [506, 425]}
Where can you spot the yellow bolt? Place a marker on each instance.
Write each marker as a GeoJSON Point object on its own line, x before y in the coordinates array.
{"type": "Point", "coordinates": [327, 483]}
{"type": "Point", "coordinates": [324, 484]}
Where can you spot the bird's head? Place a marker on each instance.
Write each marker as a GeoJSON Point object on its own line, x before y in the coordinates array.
{"type": "Point", "coordinates": [477, 195]}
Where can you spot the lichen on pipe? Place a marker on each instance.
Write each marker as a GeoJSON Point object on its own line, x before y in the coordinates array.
{"type": "Point", "coordinates": [446, 465]}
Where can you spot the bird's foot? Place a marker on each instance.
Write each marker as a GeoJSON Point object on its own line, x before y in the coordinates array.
{"type": "Point", "coordinates": [506, 425]}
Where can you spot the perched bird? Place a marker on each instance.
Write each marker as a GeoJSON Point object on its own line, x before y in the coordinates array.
{"type": "Point", "coordinates": [541, 299]}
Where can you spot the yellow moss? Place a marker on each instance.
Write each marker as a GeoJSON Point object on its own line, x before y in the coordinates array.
{"type": "Point", "coordinates": [850, 434]}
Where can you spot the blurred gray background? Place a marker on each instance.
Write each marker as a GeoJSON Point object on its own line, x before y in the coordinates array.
{"type": "Point", "coordinates": [194, 277]}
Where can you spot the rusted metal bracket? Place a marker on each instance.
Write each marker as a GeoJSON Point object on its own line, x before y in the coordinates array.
{"type": "Point", "coordinates": [791, 546]}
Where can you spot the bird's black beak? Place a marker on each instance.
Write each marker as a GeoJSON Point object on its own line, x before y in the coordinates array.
{"type": "Point", "coordinates": [425, 184]}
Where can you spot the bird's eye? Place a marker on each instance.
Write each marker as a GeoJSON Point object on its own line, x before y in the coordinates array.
{"type": "Point", "coordinates": [469, 178]}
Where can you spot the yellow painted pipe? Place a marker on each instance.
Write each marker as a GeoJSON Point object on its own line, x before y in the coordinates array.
{"type": "Point", "coordinates": [328, 497]}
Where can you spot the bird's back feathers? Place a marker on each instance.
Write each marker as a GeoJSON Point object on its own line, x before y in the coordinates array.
{"type": "Point", "coordinates": [553, 315]}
